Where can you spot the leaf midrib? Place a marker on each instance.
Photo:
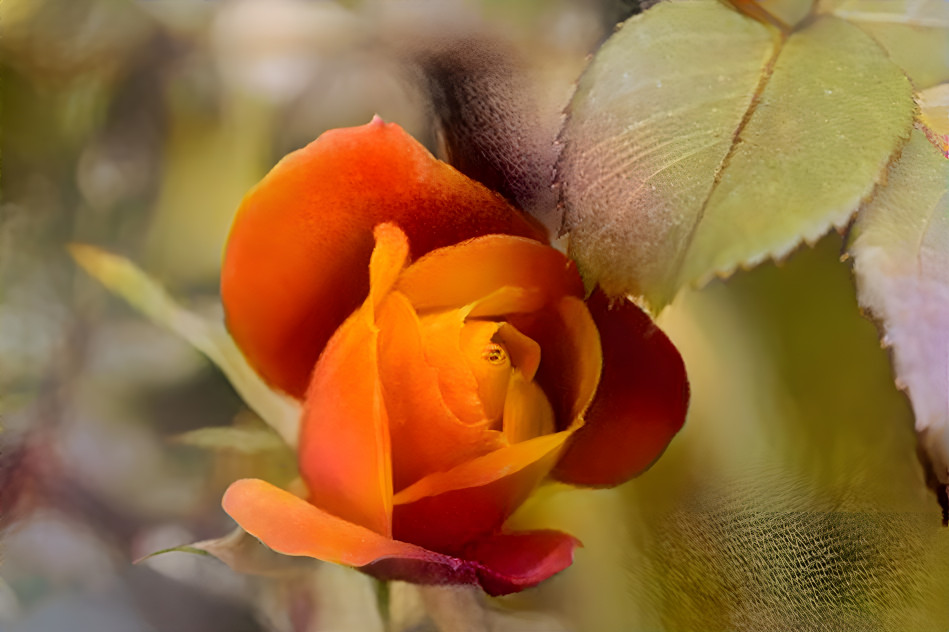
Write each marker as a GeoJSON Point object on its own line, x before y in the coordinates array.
{"type": "Point", "coordinates": [780, 39]}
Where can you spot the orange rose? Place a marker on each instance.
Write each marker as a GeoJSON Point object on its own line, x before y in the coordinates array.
{"type": "Point", "coordinates": [447, 361]}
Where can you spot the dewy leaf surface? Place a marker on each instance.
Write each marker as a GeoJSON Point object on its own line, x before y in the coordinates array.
{"type": "Point", "coordinates": [900, 247]}
{"type": "Point", "coordinates": [698, 140]}
{"type": "Point", "coordinates": [914, 32]}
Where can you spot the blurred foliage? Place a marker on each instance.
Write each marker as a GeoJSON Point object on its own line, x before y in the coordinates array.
{"type": "Point", "coordinates": [792, 499]}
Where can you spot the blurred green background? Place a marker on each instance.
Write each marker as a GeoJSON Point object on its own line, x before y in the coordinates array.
{"type": "Point", "coordinates": [792, 499]}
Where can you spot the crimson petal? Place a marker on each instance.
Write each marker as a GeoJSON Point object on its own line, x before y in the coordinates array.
{"type": "Point", "coordinates": [639, 405]}
{"type": "Point", "coordinates": [501, 563]}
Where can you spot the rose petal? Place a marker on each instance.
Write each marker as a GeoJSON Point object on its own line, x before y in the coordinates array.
{"type": "Point", "coordinates": [451, 278]}
{"type": "Point", "coordinates": [489, 362]}
{"type": "Point", "coordinates": [292, 526]}
{"type": "Point", "coordinates": [502, 563]}
{"type": "Point", "coordinates": [446, 510]}
{"type": "Point", "coordinates": [511, 562]}
{"type": "Point", "coordinates": [640, 404]}
{"type": "Point", "coordinates": [426, 435]}
{"type": "Point", "coordinates": [508, 300]}
{"type": "Point", "coordinates": [525, 353]}
{"type": "Point", "coordinates": [527, 413]}
{"type": "Point", "coordinates": [344, 449]}
{"type": "Point", "coordinates": [389, 256]}
{"type": "Point", "coordinates": [570, 357]}
{"type": "Point", "coordinates": [441, 339]}
{"type": "Point", "coordinates": [295, 265]}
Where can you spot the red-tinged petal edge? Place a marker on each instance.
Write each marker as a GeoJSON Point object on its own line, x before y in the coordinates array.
{"type": "Point", "coordinates": [501, 563]}
{"type": "Point", "coordinates": [640, 403]}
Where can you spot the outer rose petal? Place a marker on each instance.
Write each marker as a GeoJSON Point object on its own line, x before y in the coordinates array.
{"type": "Point", "coordinates": [344, 449]}
{"type": "Point", "coordinates": [639, 405]}
{"type": "Point", "coordinates": [501, 563]}
{"type": "Point", "coordinates": [513, 561]}
{"type": "Point", "coordinates": [290, 525]}
{"type": "Point", "coordinates": [295, 265]}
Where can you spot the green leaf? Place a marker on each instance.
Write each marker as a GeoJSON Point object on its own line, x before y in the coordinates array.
{"type": "Point", "coordinates": [914, 32]}
{"type": "Point", "coordinates": [122, 277]}
{"type": "Point", "coordinates": [900, 247]}
{"type": "Point", "coordinates": [244, 440]}
{"type": "Point", "coordinates": [244, 553]}
{"type": "Point", "coordinates": [700, 140]}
